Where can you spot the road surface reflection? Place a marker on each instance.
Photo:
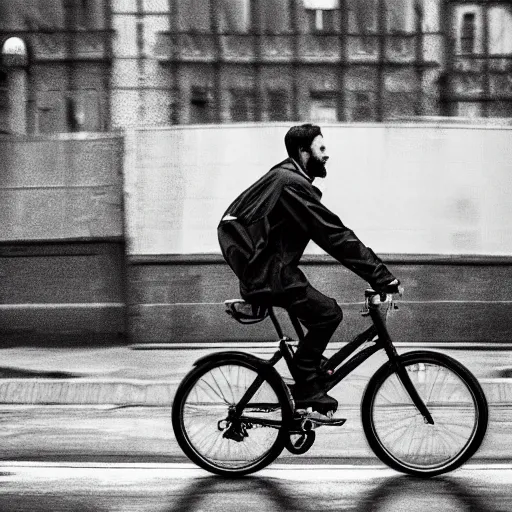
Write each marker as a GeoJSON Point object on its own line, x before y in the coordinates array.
{"type": "Point", "coordinates": [397, 494]}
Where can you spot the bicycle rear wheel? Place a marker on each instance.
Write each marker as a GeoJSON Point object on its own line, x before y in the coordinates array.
{"type": "Point", "coordinates": [212, 438]}
{"type": "Point", "coordinates": [398, 433]}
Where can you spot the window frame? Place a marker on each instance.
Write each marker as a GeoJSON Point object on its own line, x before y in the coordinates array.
{"type": "Point", "coordinates": [201, 95]}
{"type": "Point", "coordinates": [279, 93]}
{"type": "Point", "coordinates": [318, 26]}
{"type": "Point", "coordinates": [249, 99]}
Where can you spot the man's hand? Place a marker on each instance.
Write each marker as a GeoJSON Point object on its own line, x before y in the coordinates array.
{"type": "Point", "coordinates": [391, 287]}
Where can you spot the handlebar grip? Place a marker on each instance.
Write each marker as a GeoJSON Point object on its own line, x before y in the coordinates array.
{"type": "Point", "coordinates": [370, 292]}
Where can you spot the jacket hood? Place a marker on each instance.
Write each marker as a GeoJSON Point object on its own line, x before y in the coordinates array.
{"type": "Point", "coordinates": [260, 198]}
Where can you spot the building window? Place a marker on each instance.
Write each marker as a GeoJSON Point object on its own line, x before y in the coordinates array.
{"type": "Point", "coordinates": [500, 108]}
{"type": "Point", "coordinates": [361, 106]}
{"type": "Point", "coordinates": [32, 15]}
{"type": "Point", "coordinates": [194, 15]}
{"type": "Point", "coordinates": [69, 111]}
{"type": "Point", "coordinates": [363, 16]}
{"type": "Point", "coordinates": [468, 109]}
{"type": "Point", "coordinates": [278, 105]}
{"type": "Point", "coordinates": [235, 16]}
{"type": "Point", "coordinates": [241, 105]}
{"type": "Point", "coordinates": [324, 106]}
{"type": "Point", "coordinates": [500, 30]}
{"type": "Point", "coordinates": [363, 25]}
{"type": "Point", "coordinates": [201, 105]}
{"type": "Point", "coordinates": [401, 93]}
{"type": "Point", "coordinates": [275, 17]}
{"type": "Point", "coordinates": [84, 111]}
{"type": "Point", "coordinates": [401, 16]}
{"type": "Point", "coordinates": [322, 15]}
{"type": "Point", "coordinates": [320, 20]}
{"type": "Point", "coordinates": [87, 14]}
{"type": "Point", "coordinates": [467, 33]}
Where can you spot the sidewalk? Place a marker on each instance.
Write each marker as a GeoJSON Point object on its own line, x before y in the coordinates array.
{"type": "Point", "coordinates": [149, 375]}
{"type": "Point", "coordinates": [113, 403]}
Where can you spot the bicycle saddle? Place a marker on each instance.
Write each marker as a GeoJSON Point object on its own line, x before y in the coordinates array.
{"type": "Point", "coordinates": [245, 312]}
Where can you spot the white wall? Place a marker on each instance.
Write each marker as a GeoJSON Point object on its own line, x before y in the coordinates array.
{"type": "Point", "coordinates": [417, 189]}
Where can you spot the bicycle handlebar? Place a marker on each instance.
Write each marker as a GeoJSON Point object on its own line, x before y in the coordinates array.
{"type": "Point", "coordinates": [382, 296]}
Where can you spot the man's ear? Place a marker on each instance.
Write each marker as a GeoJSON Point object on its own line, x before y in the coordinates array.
{"type": "Point", "coordinates": [304, 154]}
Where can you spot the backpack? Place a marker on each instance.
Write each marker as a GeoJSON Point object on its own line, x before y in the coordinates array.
{"type": "Point", "coordinates": [235, 244]}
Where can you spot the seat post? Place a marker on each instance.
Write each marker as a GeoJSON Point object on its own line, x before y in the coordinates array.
{"type": "Point", "coordinates": [275, 321]}
{"type": "Point", "coordinates": [296, 326]}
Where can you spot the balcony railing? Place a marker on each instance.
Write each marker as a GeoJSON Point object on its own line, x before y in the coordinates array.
{"type": "Point", "coordinates": [363, 48]}
{"type": "Point", "coordinates": [469, 64]}
{"type": "Point", "coordinates": [238, 47]}
{"type": "Point", "coordinates": [500, 85]}
{"type": "Point", "coordinates": [185, 47]}
{"type": "Point", "coordinates": [400, 48]}
{"type": "Point", "coordinates": [80, 45]}
{"type": "Point", "coordinates": [277, 48]}
{"type": "Point", "coordinates": [468, 85]}
{"type": "Point", "coordinates": [319, 47]}
{"type": "Point", "coordinates": [503, 64]}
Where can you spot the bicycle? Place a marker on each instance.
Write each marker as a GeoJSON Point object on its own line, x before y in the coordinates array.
{"type": "Point", "coordinates": [423, 413]}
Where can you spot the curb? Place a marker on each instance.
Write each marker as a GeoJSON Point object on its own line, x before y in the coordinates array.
{"type": "Point", "coordinates": [86, 392]}
{"type": "Point", "coordinates": [333, 345]}
{"type": "Point", "coordinates": [152, 393]}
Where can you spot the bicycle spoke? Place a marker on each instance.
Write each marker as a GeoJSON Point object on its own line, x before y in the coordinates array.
{"type": "Point", "coordinates": [215, 392]}
{"type": "Point", "coordinates": [402, 431]}
{"type": "Point", "coordinates": [220, 390]}
{"type": "Point", "coordinates": [206, 422]}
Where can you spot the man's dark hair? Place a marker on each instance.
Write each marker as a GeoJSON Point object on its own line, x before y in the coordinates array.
{"type": "Point", "coordinates": [300, 137]}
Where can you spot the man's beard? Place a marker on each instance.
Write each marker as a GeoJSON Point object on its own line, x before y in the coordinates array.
{"type": "Point", "coordinates": [316, 168]}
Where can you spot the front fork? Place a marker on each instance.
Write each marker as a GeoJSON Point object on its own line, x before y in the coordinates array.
{"type": "Point", "coordinates": [378, 314]}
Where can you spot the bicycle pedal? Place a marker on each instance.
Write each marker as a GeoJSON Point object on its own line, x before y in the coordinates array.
{"type": "Point", "coordinates": [325, 419]}
{"type": "Point", "coordinates": [318, 419]}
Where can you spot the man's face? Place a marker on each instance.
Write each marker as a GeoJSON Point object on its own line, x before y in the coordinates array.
{"type": "Point", "coordinates": [315, 164]}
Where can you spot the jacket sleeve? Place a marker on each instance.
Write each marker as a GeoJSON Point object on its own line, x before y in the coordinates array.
{"type": "Point", "coordinates": [327, 231]}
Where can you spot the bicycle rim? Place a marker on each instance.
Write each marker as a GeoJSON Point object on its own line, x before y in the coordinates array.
{"type": "Point", "coordinates": [401, 431]}
{"type": "Point", "coordinates": [204, 419]}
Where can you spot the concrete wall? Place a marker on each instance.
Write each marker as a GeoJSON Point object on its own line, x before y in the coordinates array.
{"type": "Point", "coordinates": [61, 188]}
{"type": "Point", "coordinates": [62, 293]}
{"type": "Point", "coordinates": [445, 231]}
{"type": "Point", "coordinates": [451, 299]}
{"type": "Point", "coordinates": [403, 188]}
{"type": "Point", "coordinates": [61, 243]}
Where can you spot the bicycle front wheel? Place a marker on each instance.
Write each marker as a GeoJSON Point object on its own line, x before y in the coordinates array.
{"type": "Point", "coordinates": [397, 432]}
{"type": "Point", "coordinates": [215, 439]}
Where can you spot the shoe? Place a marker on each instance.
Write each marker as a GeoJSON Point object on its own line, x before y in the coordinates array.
{"type": "Point", "coordinates": [311, 383]}
{"type": "Point", "coordinates": [318, 400]}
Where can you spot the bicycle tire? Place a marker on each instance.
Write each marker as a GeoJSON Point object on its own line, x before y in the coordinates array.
{"type": "Point", "coordinates": [443, 447]}
{"type": "Point", "coordinates": [204, 397]}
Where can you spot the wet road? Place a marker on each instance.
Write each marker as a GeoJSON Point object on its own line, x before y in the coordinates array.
{"type": "Point", "coordinates": [176, 487]}
{"type": "Point", "coordinates": [144, 434]}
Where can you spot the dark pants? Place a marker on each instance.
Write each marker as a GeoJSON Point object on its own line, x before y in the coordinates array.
{"type": "Point", "coordinates": [321, 316]}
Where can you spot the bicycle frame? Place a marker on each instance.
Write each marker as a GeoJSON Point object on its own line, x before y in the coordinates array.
{"type": "Point", "coordinates": [341, 364]}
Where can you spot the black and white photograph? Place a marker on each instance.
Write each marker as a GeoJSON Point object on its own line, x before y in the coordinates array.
{"type": "Point", "coordinates": [256, 255]}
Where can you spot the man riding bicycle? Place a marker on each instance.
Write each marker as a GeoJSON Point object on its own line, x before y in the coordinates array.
{"type": "Point", "coordinates": [263, 235]}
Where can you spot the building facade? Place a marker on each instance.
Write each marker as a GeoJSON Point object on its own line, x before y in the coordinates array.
{"type": "Point", "coordinates": [322, 60]}
{"type": "Point", "coordinates": [97, 65]}
{"type": "Point", "coordinates": [63, 83]}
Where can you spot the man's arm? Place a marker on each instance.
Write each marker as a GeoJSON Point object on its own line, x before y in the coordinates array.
{"type": "Point", "coordinates": [326, 230]}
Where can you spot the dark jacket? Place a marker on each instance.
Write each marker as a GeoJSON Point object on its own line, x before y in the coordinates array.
{"type": "Point", "coordinates": [265, 231]}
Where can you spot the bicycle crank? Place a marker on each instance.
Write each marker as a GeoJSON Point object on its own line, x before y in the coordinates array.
{"type": "Point", "coordinates": [307, 420]}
